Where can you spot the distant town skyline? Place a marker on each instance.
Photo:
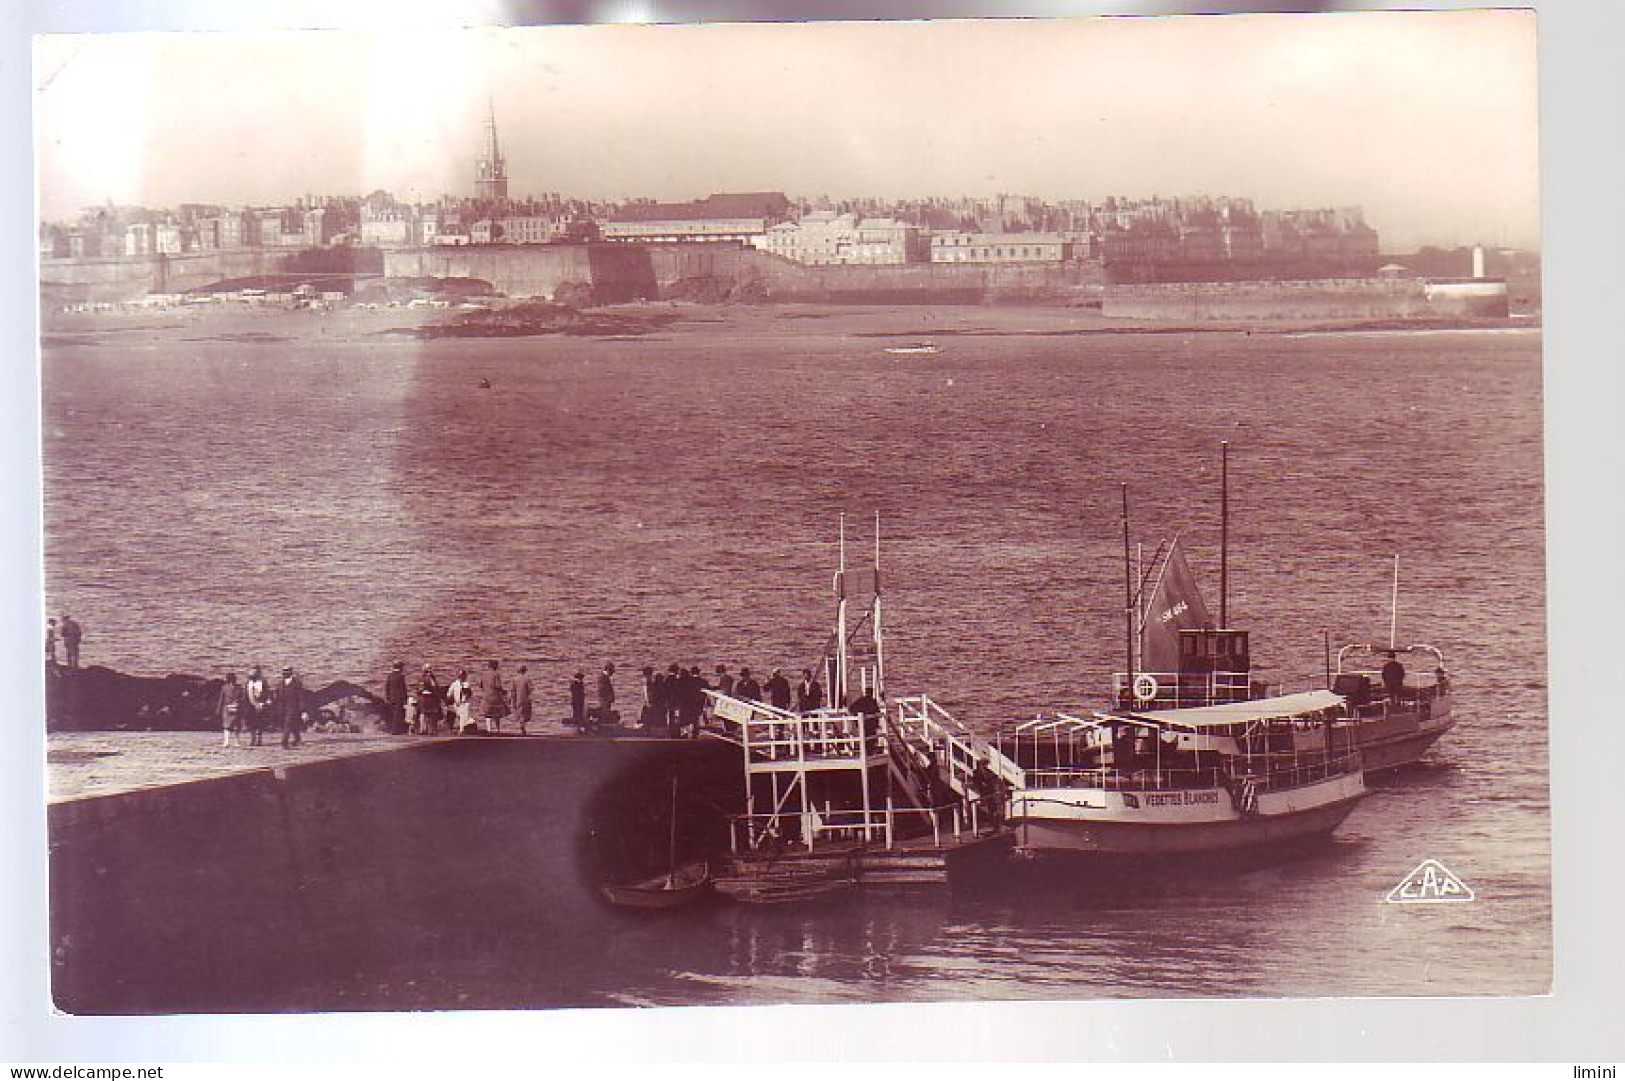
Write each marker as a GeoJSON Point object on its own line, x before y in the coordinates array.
{"type": "Point", "coordinates": [1426, 119]}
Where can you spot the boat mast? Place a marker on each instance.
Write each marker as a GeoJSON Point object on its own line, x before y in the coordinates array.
{"type": "Point", "coordinates": [880, 649]}
{"type": "Point", "coordinates": [838, 692]}
{"type": "Point", "coordinates": [1128, 596]}
{"type": "Point", "coordinates": [1224, 534]}
{"type": "Point", "coordinates": [1393, 609]}
{"type": "Point", "coordinates": [671, 862]}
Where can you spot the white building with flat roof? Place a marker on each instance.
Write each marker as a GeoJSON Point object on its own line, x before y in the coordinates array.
{"type": "Point", "coordinates": [825, 238]}
{"type": "Point", "coordinates": [998, 248]}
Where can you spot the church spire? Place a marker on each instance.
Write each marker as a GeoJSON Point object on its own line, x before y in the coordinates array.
{"type": "Point", "coordinates": [491, 178]}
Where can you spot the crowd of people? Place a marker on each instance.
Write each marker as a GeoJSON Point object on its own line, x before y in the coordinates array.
{"type": "Point", "coordinates": [69, 633]}
{"type": "Point", "coordinates": [671, 699]}
{"type": "Point", "coordinates": [469, 704]}
{"type": "Point", "coordinates": [257, 705]}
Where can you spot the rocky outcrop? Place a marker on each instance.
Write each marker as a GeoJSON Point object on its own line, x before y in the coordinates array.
{"type": "Point", "coordinates": [98, 699]}
{"type": "Point", "coordinates": [534, 317]}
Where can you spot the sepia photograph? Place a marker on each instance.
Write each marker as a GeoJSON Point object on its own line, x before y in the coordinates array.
{"type": "Point", "coordinates": [744, 514]}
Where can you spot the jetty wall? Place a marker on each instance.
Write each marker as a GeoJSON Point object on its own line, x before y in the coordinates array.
{"type": "Point", "coordinates": [348, 883]}
{"type": "Point", "coordinates": [1327, 298]}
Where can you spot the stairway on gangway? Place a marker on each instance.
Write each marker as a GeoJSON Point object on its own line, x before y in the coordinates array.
{"type": "Point", "coordinates": [921, 725]}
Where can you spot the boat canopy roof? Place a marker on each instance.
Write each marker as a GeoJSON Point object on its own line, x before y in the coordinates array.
{"type": "Point", "coordinates": [1237, 713]}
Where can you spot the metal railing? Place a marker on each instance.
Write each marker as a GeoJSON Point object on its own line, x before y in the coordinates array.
{"type": "Point", "coordinates": [922, 725]}
{"type": "Point", "coordinates": [769, 735]}
{"type": "Point", "coordinates": [1277, 771]}
{"type": "Point", "coordinates": [1172, 690]}
{"type": "Point", "coordinates": [1422, 696]}
{"type": "Point", "coordinates": [816, 827]}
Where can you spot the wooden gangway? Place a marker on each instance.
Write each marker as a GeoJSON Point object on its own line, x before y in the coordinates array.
{"type": "Point", "coordinates": [832, 785]}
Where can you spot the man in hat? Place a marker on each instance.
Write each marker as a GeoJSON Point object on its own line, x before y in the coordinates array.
{"type": "Point", "coordinates": [395, 699]}
{"type": "Point", "coordinates": [578, 701]}
{"type": "Point", "coordinates": [491, 698]}
{"type": "Point", "coordinates": [778, 690]}
{"type": "Point", "coordinates": [72, 632]}
{"type": "Point", "coordinates": [256, 705]}
{"type": "Point", "coordinates": [747, 687]}
{"type": "Point", "coordinates": [522, 698]}
{"type": "Point", "coordinates": [289, 708]}
{"type": "Point", "coordinates": [809, 694]}
{"type": "Point", "coordinates": [606, 695]}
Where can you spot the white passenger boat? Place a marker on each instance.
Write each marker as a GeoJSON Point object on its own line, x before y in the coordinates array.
{"type": "Point", "coordinates": [1200, 780]}
{"type": "Point", "coordinates": [1397, 696]}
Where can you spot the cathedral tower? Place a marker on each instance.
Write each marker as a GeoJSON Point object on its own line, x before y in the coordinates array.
{"type": "Point", "coordinates": [491, 178]}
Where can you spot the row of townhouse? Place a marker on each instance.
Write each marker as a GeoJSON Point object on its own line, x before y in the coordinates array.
{"type": "Point", "coordinates": [140, 233]}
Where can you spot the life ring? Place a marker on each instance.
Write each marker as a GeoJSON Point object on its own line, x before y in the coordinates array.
{"type": "Point", "coordinates": [1145, 687]}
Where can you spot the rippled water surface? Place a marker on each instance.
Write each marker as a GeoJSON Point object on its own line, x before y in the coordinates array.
{"type": "Point", "coordinates": [333, 499]}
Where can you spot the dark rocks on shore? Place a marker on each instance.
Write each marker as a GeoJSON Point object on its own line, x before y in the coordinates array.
{"type": "Point", "coordinates": [98, 699]}
{"type": "Point", "coordinates": [537, 317]}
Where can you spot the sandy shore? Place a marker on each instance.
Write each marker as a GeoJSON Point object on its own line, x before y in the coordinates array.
{"type": "Point", "coordinates": [906, 324]}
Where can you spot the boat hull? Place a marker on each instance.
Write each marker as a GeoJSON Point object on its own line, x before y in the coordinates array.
{"type": "Point", "coordinates": [1102, 823]}
{"type": "Point", "coordinates": [1397, 740]}
{"type": "Point", "coordinates": [685, 887]}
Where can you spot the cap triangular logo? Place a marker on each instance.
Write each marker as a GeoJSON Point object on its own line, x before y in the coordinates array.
{"type": "Point", "coordinates": [1430, 884]}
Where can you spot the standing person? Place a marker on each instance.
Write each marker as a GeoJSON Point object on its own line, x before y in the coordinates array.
{"type": "Point", "coordinates": [1393, 679]}
{"type": "Point", "coordinates": [990, 792]}
{"type": "Point", "coordinates": [431, 703]}
{"type": "Point", "coordinates": [256, 704]}
{"type": "Point", "coordinates": [491, 698]}
{"type": "Point", "coordinates": [578, 701]}
{"type": "Point", "coordinates": [460, 701]}
{"type": "Point", "coordinates": [778, 690]}
{"type": "Point", "coordinates": [865, 706]}
{"type": "Point", "coordinates": [696, 700]}
{"type": "Point", "coordinates": [725, 682]}
{"type": "Point", "coordinates": [654, 697]}
{"type": "Point", "coordinates": [230, 711]}
{"type": "Point", "coordinates": [289, 707]}
{"type": "Point", "coordinates": [676, 694]}
{"type": "Point", "coordinates": [809, 695]}
{"type": "Point", "coordinates": [606, 695]}
{"type": "Point", "coordinates": [50, 644]}
{"type": "Point", "coordinates": [747, 688]}
{"type": "Point", "coordinates": [522, 699]}
{"type": "Point", "coordinates": [72, 633]}
{"type": "Point", "coordinates": [395, 699]}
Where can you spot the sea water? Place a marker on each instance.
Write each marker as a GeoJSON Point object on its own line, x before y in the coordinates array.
{"type": "Point", "coordinates": [308, 491]}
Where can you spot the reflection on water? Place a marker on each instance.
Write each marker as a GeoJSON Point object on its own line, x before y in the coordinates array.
{"type": "Point", "coordinates": [338, 503]}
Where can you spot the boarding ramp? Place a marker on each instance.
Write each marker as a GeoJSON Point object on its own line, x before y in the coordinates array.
{"type": "Point", "coordinates": [922, 726]}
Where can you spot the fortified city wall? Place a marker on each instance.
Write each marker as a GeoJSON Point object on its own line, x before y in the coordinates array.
{"type": "Point", "coordinates": [70, 281]}
{"type": "Point", "coordinates": [617, 272]}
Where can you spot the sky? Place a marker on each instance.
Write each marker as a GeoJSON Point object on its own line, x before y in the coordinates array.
{"type": "Point", "coordinates": [1426, 119]}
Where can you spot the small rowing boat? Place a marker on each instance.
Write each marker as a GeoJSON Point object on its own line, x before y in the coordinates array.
{"type": "Point", "coordinates": [677, 887]}
{"type": "Point", "coordinates": [683, 886]}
